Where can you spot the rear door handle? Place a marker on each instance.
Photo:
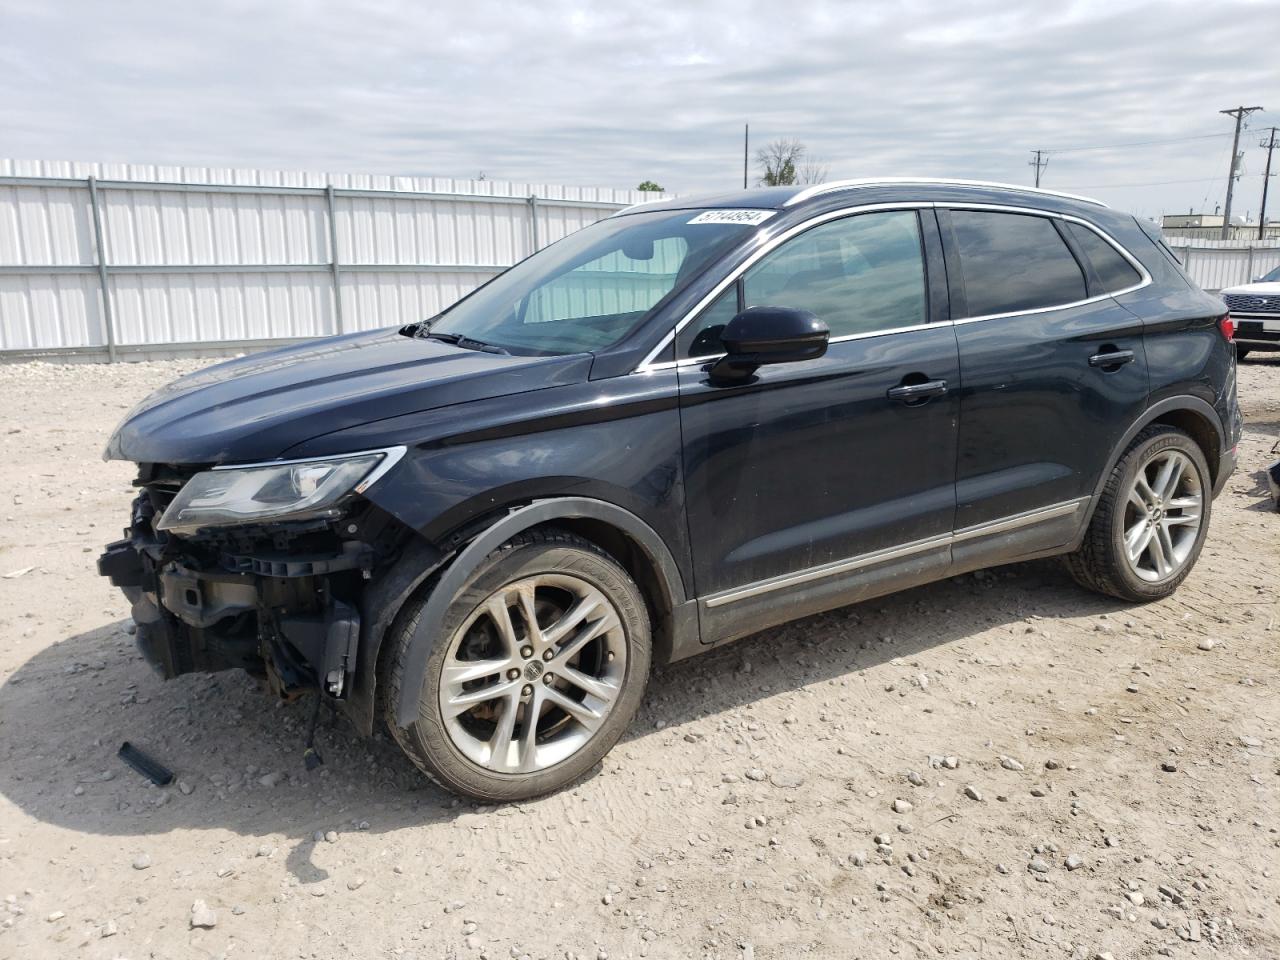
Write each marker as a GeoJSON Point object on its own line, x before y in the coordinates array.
{"type": "Point", "coordinates": [1114, 358]}
{"type": "Point", "coordinates": [915, 392]}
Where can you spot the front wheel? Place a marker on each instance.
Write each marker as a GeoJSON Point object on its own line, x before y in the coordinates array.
{"type": "Point", "coordinates": [1151, 520]}
{"type": "Point", "coordinates": [539, 668]}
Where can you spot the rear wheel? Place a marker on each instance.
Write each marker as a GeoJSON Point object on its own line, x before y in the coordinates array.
{"type": "Point", "coordinates": [1151, 521]}
{"type": "Point", "coordinates": [541, 664]}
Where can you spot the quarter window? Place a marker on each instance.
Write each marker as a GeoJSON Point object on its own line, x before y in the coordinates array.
{"type": "Point", "coordinates": [1014, 262]}
{"type": "Point", "coordinates": [1114, 272]}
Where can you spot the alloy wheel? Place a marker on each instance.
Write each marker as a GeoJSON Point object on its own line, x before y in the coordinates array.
{"type": "Point", "coordinates": [1163, 515]}
{"type": "Point", "coordinates": [532, 673]}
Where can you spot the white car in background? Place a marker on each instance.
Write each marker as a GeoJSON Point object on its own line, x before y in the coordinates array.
{"type": "Point", "coordinates": [1255, 308]}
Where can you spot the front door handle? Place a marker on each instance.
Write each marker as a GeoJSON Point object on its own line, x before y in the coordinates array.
{"type": "Point", "coordinates": [1112, 358]}
{"type": "Point", "coordinates": [916, 392]}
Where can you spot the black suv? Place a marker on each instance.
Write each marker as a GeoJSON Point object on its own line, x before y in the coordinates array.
{"type": "Point", "coordinates": [683, 424]}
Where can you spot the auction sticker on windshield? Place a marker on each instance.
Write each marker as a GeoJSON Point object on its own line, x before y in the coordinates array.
{"type": "Point", "coordinates": [749, 217]}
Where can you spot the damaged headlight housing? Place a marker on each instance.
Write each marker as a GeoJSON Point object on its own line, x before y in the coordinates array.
{"type": "Point", "coordinates": [288, 490]}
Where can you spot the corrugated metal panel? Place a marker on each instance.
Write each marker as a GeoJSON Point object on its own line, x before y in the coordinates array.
{"type": "Point", "coordinates": [1215, 265]}
{"type": "Point", "coordinates": [158, 217]}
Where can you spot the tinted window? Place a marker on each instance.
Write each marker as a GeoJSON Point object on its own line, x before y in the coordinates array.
{"type": "Point", "coordinates": [859, 274]}
{"type": "Point", "coordinates": [701, 338]}
{"type": "Point", "coordinates": [1113, 270]}
{"type": "Point", "coordinates": [1012, 262]}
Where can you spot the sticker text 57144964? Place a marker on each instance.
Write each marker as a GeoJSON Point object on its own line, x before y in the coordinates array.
{"type": "Point", "coordinates": [747, 217]}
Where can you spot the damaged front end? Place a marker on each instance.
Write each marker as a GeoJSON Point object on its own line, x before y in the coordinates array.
{"type": "Point", "coordinates": [260, 568]}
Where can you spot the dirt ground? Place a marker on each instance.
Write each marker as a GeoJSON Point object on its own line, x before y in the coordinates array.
{"type": "Point", "coordinates": [751, 811]}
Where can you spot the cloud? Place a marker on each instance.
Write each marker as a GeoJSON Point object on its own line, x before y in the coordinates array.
{"type": "Point", "coordinates": [613, 94]}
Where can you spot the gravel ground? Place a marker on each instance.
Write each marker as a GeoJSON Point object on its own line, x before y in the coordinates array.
{"type": "Point", "coordinates": [1000, 765]}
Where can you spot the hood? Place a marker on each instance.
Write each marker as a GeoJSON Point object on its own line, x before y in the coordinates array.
{"type": "Point", "coordinates": [256, 407]}
{"type": "Point", "coordinates": [1270, 288]}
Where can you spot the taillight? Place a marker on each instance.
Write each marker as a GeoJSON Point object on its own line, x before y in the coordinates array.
{"type": "Point", "coordinates": [1228, 327]}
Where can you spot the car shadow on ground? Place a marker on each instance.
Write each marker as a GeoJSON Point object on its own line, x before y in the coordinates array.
{"type": "Point", "coordinates": [237, 753]}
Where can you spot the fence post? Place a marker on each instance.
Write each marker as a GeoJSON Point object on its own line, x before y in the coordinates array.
{"type": "Point", "coordinates": [334, 269]}
{"type": "Point", "coordinates": [1248, 272]}
{"type": "Point", "coordinates": [533, 220]}
{"type": "Point", "coordinates": [107, 321]}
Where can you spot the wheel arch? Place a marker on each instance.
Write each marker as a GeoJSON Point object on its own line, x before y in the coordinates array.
{"type": "Point", "coordinates": [1192, 415]}
{"type": "Point", "coordinates": [628, 539]}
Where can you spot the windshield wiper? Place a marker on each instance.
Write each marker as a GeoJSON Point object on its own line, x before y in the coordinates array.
{"type": "Point", "coordinates": [466, 343]}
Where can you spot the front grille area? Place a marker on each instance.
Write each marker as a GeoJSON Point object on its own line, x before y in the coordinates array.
{"type": "Point", "coordinates": [1252, 302]}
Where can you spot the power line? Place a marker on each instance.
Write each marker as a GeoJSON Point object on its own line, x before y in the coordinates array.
{"type": "Point", "coordinates": [1239, 113]}
{"type": "Point", "coordinates": [1151, 183]}
{"type": "Point", "coordinates": [1137, 143]}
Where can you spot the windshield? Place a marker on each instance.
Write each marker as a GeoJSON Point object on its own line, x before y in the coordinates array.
{"type": "Point", "coordinates": [1272, 277]}
{"type": "Point", "coordinates": [596, 286]}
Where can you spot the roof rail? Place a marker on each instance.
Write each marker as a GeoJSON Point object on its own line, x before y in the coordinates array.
{"type": "Point", "coordinates": [836, 185]}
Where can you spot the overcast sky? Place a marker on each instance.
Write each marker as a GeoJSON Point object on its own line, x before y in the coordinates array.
{"type": "Point", "coordinates": [618, 92]}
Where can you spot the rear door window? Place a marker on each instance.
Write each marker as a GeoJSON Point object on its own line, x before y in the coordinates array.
{"type": "Point", "coordinates": [1014, 262]}
{"type": "Point", "coordinates": [1114, 272]}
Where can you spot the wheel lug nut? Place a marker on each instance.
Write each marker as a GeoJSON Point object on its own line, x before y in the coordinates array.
{"type": "Point", "coordinates": [548, 678]}
{"type": "Point", "coordinates": [549, 654]}
{"type": "Point", "coordinates": [528, 689]}
{"type": "Point", "coordinates": [513, 673]}
{"type": "Point", "coordinates": [526, 652]}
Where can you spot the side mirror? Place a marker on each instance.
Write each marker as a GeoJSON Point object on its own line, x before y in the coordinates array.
{"type": "Point", "coordinates": [763, 335]}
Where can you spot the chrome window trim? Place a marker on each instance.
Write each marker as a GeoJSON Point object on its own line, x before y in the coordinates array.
{"type": "Point", "coordinates": [834, 186]}
{"type": "Point", "coordinates": [822, 571]}
{"type": "Point", "coordinates": [650, 365]}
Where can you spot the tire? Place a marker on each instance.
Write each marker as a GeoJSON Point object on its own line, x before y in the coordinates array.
{"type": "Point", "coordinates": [1104, 562]}
{"type": "Point", "coordinates": [1241, 352]}
{"type": "Point", "coordinates": [575, 590]}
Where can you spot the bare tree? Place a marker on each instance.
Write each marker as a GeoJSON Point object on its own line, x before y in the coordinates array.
{"type": "Point", "coordinates": [813, 170]}
{"type": "Point", "coordinates": [779, 160]}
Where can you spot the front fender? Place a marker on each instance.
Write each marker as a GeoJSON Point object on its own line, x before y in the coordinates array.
{"type": "Point", "coordinates": [454, 577]}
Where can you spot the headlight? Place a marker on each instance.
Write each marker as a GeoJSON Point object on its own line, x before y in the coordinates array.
{"type": "Point", "coordinates": [301, 489]}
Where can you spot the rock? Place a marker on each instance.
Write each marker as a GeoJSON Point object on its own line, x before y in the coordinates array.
{"type": "Point", "coordinates": [1207, 643]}
{"type": "Point", "coordinates": [185, 788]}
{"type": "Point", "coordinates": [757, 775]}
{"type": "Point", "coordinates": [265, 850]}
{"type": "Point", "coordinates": [788, 781]}
{"type": "Point", "coordinates": [859, 859]}
{"type": "Point", "coordinates": [108, 929]}
{"type": "Point", "coordinates": [331, 836]}
{"type": "Point", "coordinates": [269, 779]}
{"type": "Point", "coordinates": [950, 763]}
{"type": "Point", "coordinates": [55, 916]}
{"type": "Point", "coordinates": [355, 883]}
{"type": "Point", "coordinates": [973, 793]}
{"type": "Point", "coordinates": [1169, 767]}
{"type": "Point", "coordinates": [1074, 862]}
{"type": "Point", "coordinates": [1001, 868]}
{"type": "Point", "coordinates": [1134, 897]}
{"type": "Point", "coordinates": [1251, 742]}
{"type": "Point", "coordinates": [915, 779]}
{"type": "Point", "coordinates": [141, 862]}
{"type": "Point", "coordinates": [902, 806]}
{"type": "Point", "coordinates": [1052, 764]}
{"type": "Point", "coordinates": [1038, 865]}
{"type": "Point", "coordinates": [1011, 764]}
{"type": "Point", "coordinates": [1039, 790]}
{"type": "Point", "coordinates": [202, 916]}
{"type": "Point", "coordinates": [238, 910]}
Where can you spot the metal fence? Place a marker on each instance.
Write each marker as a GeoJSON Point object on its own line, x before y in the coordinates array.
{"type": "Point", "coordinates": [109, 261]}
{"type": "Point", "coordinates": [1215, 264]}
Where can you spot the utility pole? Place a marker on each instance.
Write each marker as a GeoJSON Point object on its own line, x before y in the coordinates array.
{"type": "Point", "coordinates": [1038, 164]}
{"type": "Point", "coordinates": [1239, 113]}
{"type": "Point", "coordinates": [1270, 144]}
{"type": "Point", "coordinates": [746, 139]}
